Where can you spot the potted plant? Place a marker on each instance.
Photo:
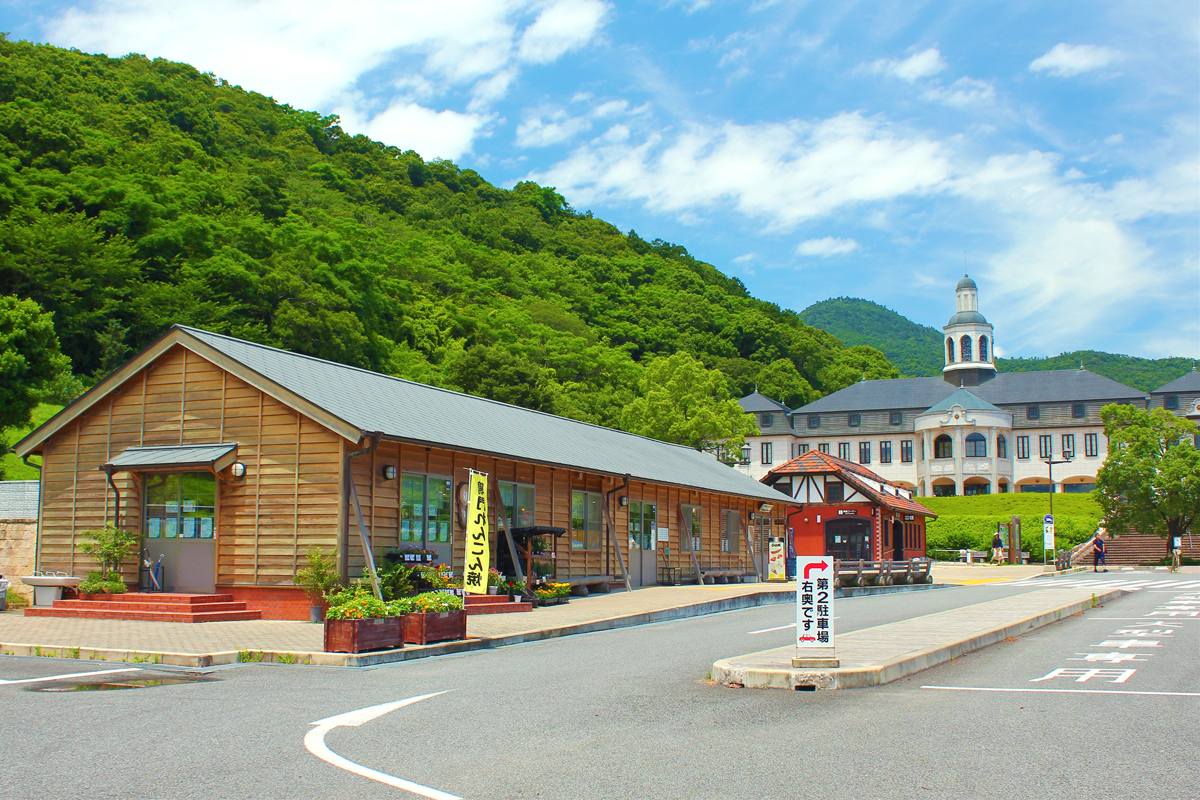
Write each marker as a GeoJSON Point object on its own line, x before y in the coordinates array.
{"type": "Point", "coordinates": [357, 621]}
{"type": "Point", "coordinates": [318, 578]}
{"type": "Point", "coordinates": [434, 617]}
{"type": "Point", "coordinates": [100, 586]}
{"type": "Point", "coordinates": [552, 593]}
{"type": "Point", "coordinates": [495, 581]}
{"type": "Point", "coordinates": [109, 546]}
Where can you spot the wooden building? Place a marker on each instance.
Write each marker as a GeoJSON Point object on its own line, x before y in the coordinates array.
{"type": "Point", "coordinates": [232, 459]}
{"type": "Point", "coordinates": [846, 511]}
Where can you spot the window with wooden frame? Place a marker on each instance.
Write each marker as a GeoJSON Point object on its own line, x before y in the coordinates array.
{"type": "Point", "coordinates": [885, 452]}
{"type": "Point", "coordinates": [1091, 445]}
{"type": "Point", "coordinates": [906, 451]}
{"type": "Point", "coordinates": [1045, 447]}
{"type": "Point", "coordinates": [1022, 447]}
{"type": "Point", "coordinates": [731, 530]}
{"type": "Point", "coordinates": [844, 451]}
{"type": "Point", "coordinates": [586, 520]}
{"type": "Point", "coordinates": [693, 525]}
{"type": "Point", "coordinates": [518, 500]}
{"type": "Point", "coordinates": [864, 452]}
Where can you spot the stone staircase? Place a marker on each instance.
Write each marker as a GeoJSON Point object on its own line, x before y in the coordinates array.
{"type": "Point", "coordinates": [494, 604]}
{"type": "Point", "coordinates": [1132, 549]}
{"type": "Point", "coordinates": [166, 607]}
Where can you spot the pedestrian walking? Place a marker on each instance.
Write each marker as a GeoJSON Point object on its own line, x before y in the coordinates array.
{"type": "Point", "coordinates": [1098, 554]}
{"type": "Point", "coordinates": [997, 548]}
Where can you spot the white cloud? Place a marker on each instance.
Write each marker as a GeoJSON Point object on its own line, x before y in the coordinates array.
{"type": "Point", "coordinates": [745, 258]}
{"type": "Point", "coordinates": [563, 26]}
{"type": "Point", "coordinates": [546, 126]}
{"type": "Point", "coordinates": [828, 246]}
{"type": "Point", "coordinates": [433, 134]}
{"type": "Point", "coordinates": [781, 173]}
{"type": "Point", "coordinates": [1065, 60]}
{"type": "Point", "coordinates": [962, 93]}
{"type": "Point", "coordinates": [313, 56]}
{"type": "Point", "coordinates": [920, 65]}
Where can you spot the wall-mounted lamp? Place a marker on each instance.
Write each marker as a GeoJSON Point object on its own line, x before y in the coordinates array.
{"type": "Point", "coordinates": [751, 516]}
{"type": "Point", "coordinates": [389, 472]}
{"type": "Point", "coordinates": [623, 501]}
{"type": "Point", "coordinates": [237, 470]}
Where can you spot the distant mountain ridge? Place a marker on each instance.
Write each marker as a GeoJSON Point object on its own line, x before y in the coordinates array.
{"type": "Point", "coordinates": [916, 350]}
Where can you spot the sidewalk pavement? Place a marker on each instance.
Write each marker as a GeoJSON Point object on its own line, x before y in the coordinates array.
{"type": "Point", "coordinates": [959, 574]}
{"type": "Point", "coordinates": [211, 643]}
{"type": "Point", "coordinates": [885, 653]}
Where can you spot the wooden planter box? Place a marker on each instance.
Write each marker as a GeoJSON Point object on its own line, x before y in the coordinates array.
{"type": "Point", "coordinates": [438, 626]}
{"type": "Point", "coordinates": [359, 635]}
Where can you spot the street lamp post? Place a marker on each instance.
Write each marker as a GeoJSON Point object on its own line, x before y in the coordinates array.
{"type": "Point", "coordinates": [1050, 462]}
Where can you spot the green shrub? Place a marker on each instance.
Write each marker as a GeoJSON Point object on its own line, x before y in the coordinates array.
{"type": "Point", "coordinates": [320, 576]}
{"type": "Point", "coordinates": [109, 546]}
{"type": "Point", "coordinates": [100, 583]}
{"type": "Point", "coordinates": [970, 522]}
{"type": "Point", "coordinates": [15, 599]}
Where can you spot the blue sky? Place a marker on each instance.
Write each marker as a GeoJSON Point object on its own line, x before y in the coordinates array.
{"type": "Point", "coordinates": [869, 149]}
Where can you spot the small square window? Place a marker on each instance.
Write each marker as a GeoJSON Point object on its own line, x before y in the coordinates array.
{"type": "Point", "coordinates": [1171, 402]}
{"type": "Point", "coordinates": [767, 420]}
{"type": "Point", "coordinates": [814, 421]}
{"type": "Point", "coordinates": [1078, 411]}
{"type": "Point", "coordinates": [1033, 412]}
{"type": "Point", "coordinates": [895, 417]}
{"type": "Point", "coordinates": [823, 447]}
{"type": "Point", "coordinates": [855, 420]}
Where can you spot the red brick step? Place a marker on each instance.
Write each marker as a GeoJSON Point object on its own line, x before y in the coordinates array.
{"type": "Point", "coordinates": [166, 607]}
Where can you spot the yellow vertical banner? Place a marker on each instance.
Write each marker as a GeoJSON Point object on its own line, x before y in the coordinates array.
{"type": "Point", "coordinates": [478, 556]}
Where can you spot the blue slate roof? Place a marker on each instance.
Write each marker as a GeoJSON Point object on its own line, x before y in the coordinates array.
{"type": "Point", "coordinates": [1188, 382]}
{"type": "Point", "coordinates": [966, 400]}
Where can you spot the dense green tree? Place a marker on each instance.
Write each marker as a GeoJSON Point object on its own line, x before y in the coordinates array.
{"type": "Point", "coordinates": [29, 360]}
{"type": "Point", "coordinates": [854, 364]}
{"type": "Point", "coordinates": [780, 380]}
{"type": "Point", "coordinates": [683, 402]}
{"type": "Point", "coordinates": [1150, 480]}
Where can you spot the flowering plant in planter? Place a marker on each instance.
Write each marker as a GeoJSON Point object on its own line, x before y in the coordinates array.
{"type": "Point", "coordinates": [513, 587]}
{"type": "Point", "coordinates": [495, 579]}
{"type": "Point", "coordinates": [553, 591]}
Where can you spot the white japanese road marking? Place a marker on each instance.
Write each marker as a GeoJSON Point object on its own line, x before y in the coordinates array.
{"type": "Point", "coordinates": [71, 675]}
{"type": "Point", "coordinates": [1060, 691]}
{"type": "Point", "coordinates": [779, 628]}
{"type": "Point", "coordinates": [314, 741]}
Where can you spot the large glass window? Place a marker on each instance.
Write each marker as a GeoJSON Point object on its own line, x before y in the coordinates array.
{"type": "Point", "coordinates": [1022, 447]}
{"type": "Point", "coordinates": [1068, 445]}
{"type": "Point", "coordinates": [1091, 445]}
{"type": "Point", "coordinates": [731, 530]}
{"type": "Point", "coordinates": [976, 446]}
{"type": "Point", "coordinates": [823, 447]}
{"type": "Point", "coordinates": [1045, 447]}
{"type": "Point", "coordinates": [1001, 446]}
{"type": "Point", "coordinates": [906, 454]}
{"type": "Point", "coordinates": [180, 505]}
{"type": "Point", "coordinates": [426, 508]}
{"type": "Point", "coordinates": [885, 452]}
{"type": "Point", "coordinates": [964, 345]}
{"type": "Point", "coordinates": [586, 520]}
{"type": "Point", "coordinates": [518, 500]}
{"type": "Point", "coordinates": [943, 447]}
{"type": "Point", "coordinates": [864, 452]}
{"type": "Point", "coordinates": [692, 517]}
{"type": "Point", "coordinates": [642, 518]}
{"type": "Point", "coordinates": [844, 450]}
{"type": "Point", "coordinates": [767, 452]}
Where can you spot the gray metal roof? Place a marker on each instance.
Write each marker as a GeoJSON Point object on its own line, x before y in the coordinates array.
{"type": "Point", "coordinates": [174, 456]}
{"type": "Point", "coordinates": [755, 403]}
{"type": "Point", "coordinates": [19, 500]}
{"type": "Point", "coordinates": [965, 399]}
{"type": "Point", "coordinates": [967, 316]}
{"type": "Point", "coordinates": [1007, 388]}
{"type": "Point", "coordinates": [965, 283]}
{"type": "Point", "coordinates": [414, 412]}
{"type": "Point", "coordinates": [1188, 382]}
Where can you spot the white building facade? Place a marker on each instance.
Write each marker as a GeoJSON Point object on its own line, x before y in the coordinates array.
{"type": "Point", "coordinates": [972, 431]}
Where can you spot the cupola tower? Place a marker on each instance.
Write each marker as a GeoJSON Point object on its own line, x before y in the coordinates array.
{"type": "Point", "coordinates": [968, 345]}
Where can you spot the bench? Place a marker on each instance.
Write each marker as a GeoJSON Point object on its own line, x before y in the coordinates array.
{"type": "Point", "coordinates": [971, 556]}
{"type": "Point", "coordinates": [881, 573]}
{"type": "Point", "coordinates": [581, 587]}
{"type": "Point", "coordinates": [721, 575]}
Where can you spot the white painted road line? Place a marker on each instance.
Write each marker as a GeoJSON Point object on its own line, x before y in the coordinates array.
{"type": "Point", "coordinates": [780, 628]}
{"type": "Point", "coordinates": [1060, 691]}
{"type": "Point", "coordinates": [71, 675]}
{"type": "Point", "coordinates": [314, 741]}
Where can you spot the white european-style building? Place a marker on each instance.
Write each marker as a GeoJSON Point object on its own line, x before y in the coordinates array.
{"type": "Point", "coordinates": [972, 431]}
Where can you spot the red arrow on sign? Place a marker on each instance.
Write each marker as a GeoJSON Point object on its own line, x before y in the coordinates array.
{"type": "Point", "coordinates": [808, 638]}
{"type": "Point", "coordinates": [818, 567]}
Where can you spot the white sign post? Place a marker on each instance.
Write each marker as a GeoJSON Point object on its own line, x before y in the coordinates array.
{"type": "Point", "coordinates": [814, 614]}
{"type": "Point", "coordinates": [1047, 536]}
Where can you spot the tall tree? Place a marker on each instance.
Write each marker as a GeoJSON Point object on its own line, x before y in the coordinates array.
{"type": "Point", "coordinates": [685, 403]}
{"type": "Point", "coordinates": [29, 359]}
{"type": "Point", "coordinates": [1150, 481]}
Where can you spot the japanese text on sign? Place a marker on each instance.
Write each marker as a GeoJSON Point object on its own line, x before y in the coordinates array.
{"type": "Point", "coordinates": [814, 602]}
{"type": "Point", "coordinates": [478, 556]}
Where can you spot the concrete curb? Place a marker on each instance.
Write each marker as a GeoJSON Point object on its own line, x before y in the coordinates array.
{"type": "Point", "coordinates": [200, 660]}
{"type": "Point", "coordinates": [724, 672]}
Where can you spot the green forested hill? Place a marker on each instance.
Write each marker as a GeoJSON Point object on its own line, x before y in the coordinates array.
{"type": "Point", "coordinates": [916, 350]}
{"type": "Point", "coordinates": [136, 193]}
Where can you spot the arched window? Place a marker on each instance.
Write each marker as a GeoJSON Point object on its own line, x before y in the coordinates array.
{"type": "Point", "coordinates": [943, 447]}
{"type": "Point", "coordinates": [1001, 446]}
{"type": "Point", "coordinates": [976, 446]}
{"type": "Point", "coordinates": [965, 348]}
{"type": "Point", "coordinates": [949, 351]}
{"type": "Point", "coordinates": [983, 345]}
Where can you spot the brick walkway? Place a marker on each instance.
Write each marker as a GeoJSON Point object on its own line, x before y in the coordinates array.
{"type": "Point", "coordinates": [117, 639]}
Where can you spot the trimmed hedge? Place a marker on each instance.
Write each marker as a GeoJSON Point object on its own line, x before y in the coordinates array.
{"type": "Point", "coordinates": [969, 522]}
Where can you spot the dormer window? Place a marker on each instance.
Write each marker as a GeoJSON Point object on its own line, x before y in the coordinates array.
{"type": "Point", "coordinates": [1033, 412]}
{"type": "Point", "coordinates": [814, 421]}
{"type": "Point", "coordinates": [1171, 402]}
{"type": "Point", "coordinates": [766, 420]}
{"type": "Point", "coordinates": [854, 420]}
{"type": "Point", "coordinates": [895, 417]}
{"type": "Point", "coordinates": [1078, 411]}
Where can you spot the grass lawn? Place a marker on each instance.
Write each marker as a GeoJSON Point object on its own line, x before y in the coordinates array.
{"type": "Point", "coordinates": [11, 467]}
{"type": "Point", "coordinates": [969, 522]}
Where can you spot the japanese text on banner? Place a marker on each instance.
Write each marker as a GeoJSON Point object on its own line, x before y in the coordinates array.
{"type": "Point", "coordinates": [478, 556]}
{"type": "Point", "coordinates": [814, 602]}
